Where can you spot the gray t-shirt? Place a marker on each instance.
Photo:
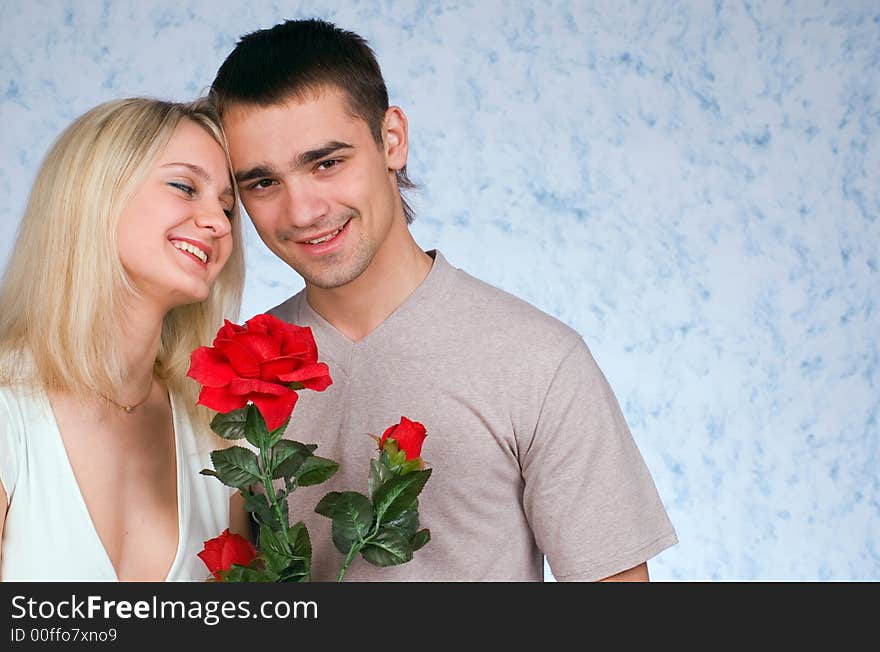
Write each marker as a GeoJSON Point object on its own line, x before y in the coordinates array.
{"type": "Point", "coordinates": [529, 449]}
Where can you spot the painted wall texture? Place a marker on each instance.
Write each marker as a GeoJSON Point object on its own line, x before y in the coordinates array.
{"type": "Point", "coordinates": [693, 186]}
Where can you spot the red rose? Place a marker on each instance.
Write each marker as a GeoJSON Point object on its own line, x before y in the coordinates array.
{"type": "Point", "coordinates": [221, 552]}
{"type": "Point", "coordinates": [258, 362]}
{"type": "Point", "coordinates": [409, 436]}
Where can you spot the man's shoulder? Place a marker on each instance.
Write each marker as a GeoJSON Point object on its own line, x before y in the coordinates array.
{"type": "Point", "coordinates": [486, 307]}
{"type": "Point", "coordinates": [287, 310]}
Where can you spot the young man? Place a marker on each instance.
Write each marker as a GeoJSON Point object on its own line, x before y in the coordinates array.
{"type": "Point", "coordinates": [530, 452]}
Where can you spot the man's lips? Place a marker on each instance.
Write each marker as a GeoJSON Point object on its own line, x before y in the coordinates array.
{"type": "Point", "coordinates": [324, 236]}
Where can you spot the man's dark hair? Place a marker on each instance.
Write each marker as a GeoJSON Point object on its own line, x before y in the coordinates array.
{"type": "Point", "coordinates": [299, 57]}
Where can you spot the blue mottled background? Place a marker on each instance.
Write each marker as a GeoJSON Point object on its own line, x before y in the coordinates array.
{"type": "Point", "coordinates": [691, 185]}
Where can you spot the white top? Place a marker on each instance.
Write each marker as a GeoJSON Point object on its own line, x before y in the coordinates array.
{"type": "Point", "coordinates": [49, 534]}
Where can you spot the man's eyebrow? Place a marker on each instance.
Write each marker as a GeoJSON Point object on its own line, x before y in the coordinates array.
{"type": "Point", "coordinates": [261, 171]}
{"type": "Point", "coordinates": [200, 172]}
{"type": "Point", "coordinates": [256, 172]}
{"type": "Point", "coordinates": [309, 157]}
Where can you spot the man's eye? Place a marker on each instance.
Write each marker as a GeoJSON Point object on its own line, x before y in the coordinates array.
{"type": "Point", "coordinates": [326, 165]}
{"type": "Point", "coordinates": [189, 190]}
{"type": "Point", "coordinates": [262, 183]}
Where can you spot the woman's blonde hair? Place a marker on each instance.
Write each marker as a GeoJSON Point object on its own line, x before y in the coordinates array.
{"type": "Point", "coordinates": [65, 286]}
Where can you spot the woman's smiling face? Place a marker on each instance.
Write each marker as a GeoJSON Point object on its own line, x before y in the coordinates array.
{"type": "Point", "coordinates": [174, 234]}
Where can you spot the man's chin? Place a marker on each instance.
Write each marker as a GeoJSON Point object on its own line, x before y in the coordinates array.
{"type": "Point", "coordinates": [334, 276]}
{"type": "Point", "coordinates": [335, 270]}
{"type": "Point", "coordinates": [332, 281]}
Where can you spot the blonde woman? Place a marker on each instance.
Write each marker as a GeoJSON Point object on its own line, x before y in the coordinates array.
{"type": "Point", "coordinates": [128, 257]}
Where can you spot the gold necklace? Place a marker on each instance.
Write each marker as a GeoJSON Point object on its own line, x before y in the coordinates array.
{"type": "Point", "coordinates": [128, 408]}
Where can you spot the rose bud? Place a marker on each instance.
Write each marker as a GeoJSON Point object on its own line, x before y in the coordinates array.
{"type": "Point", "coordinates": [220, 553]}
{"type": "Point", "coordinates": [409, 436]}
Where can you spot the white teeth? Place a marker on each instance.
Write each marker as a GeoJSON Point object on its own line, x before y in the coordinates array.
{"type": "Point", "coordinates": [324, 238]}
{"type": "Point", "coordinates": [195, 251]}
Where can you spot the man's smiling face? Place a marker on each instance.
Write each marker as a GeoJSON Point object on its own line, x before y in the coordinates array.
{"type": "Point", "coordinates": [319, 189]}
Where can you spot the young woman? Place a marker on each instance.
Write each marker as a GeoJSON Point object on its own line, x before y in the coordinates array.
{"type": "Point", "coordinates": [127, 259]}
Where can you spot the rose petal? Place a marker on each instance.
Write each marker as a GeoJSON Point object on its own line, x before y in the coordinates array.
{"type": "Point", "coordinates": [236, 550]}
{"type": "Point", "coordinates": [242, 359]}
{"type": "Point", "coordinates": [262, 345]}
{"type": "Point", "coordinates": [275, 409]}
{"type": "Point", "coordinates": [210, 368]}
{"type": "Point", "coordinates": [247, 386]}
{"type": "Point", "coordinates": [221, 399]}
{"type": "Point", "coordinates": [221, 552]}
{"type": "Point", "coordinates": [271, 370]}
{"type": "Point", "coordinates": [262, 323]}
{"type": "Point", "coordinates": [315, 377]}
{"type": "Point", "coordinates": [299, 341]}
{"type": "Point", "coordinates": [409, 435]}
{"type": "Point", "coordinates": [227, 331]}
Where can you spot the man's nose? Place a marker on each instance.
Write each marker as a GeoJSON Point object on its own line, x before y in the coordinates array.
{"type": "Point", "coordinates": [304, 204]}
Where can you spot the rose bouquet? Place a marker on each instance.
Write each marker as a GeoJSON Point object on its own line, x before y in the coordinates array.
{"type": "Point", "coordinates": [250, 376]}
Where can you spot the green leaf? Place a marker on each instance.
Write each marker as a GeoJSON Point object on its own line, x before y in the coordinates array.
{"type": "Point", "coordinates": [298, 535]}
{"type": "Point", "coordinates": [255, 428]}
{"type": "Point", "coordinates": [293, 566]}
{"type": "Point", "coordinates": [258, 504]}
{"type": "Point", "coordinates": [209, 472]}
{"type": "Point", "coordinates": [297, 571]}
{"type": "Point", "coordinates": [276, 435]}
{"type": "Point", "coordinates": [352, 519]}
{"type": "Point", "coordinates": [230, 425]}
{"type": "Point", "coordinates": [238, 573]}
{"type": "Point", "coordinates": [328, 503]}
{"type": "Point", "coordinates": [388, 548]}
{"type": "Point", "coordinates": [389, 450]}
{"type": "Point", "coordinates": [315, 470]}
{"type": "Point", "coordinates": [270, 541]}
{"type": "Point", "coordinates": [412, 465]}
{"type": "Point", "coordinates": [407, 523]}
{"type": "Point", "coordinates": [379, 475]}
{"type": "Point", "coordinates": [341, 539]}
{"type": "Point", "coordinates": [276, 564]}
{"type": "Point", "coordinates": [236, 466]}
{"type": "Point", "coordinates": [287, 456]}
{"type": "Point", "coordinates": [420, 539]}
{"type": "Point", "coordinates": [399, 494]}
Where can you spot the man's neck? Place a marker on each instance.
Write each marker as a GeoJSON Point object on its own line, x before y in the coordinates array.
{"type": "Point", "coordinates": [357, 308]}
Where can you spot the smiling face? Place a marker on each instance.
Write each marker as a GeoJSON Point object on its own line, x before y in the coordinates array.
{"type": "Point", "coordinates": [174, 234]}
{"type": "Point", "coordinates": [320, 191]}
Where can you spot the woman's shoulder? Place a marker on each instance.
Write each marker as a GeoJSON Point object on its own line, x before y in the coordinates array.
{"type": "Point", "coordinates": [19, 403]}
{"type": "Point", "coordinates": [20, 413]}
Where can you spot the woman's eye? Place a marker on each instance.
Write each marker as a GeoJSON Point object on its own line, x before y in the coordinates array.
{"type": "Point", "coordinates": [189, 190]}
{"type": "Point", "coordinates": [228, 213]}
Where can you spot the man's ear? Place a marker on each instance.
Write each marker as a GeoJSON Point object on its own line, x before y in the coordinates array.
{"type": "Point", "coordinates": [395, 138]}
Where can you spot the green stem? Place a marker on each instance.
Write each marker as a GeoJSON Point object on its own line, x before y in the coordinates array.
{"type": "Point", "coordinates": [270, 491]}
{"type": "Point", "coordinates": [355, 548]}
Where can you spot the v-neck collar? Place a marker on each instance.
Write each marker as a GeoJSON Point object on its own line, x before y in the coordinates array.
{"type": "Point", "coordinates": [75, 488]}
{"type": "Point", "coordinates": [433, 285]}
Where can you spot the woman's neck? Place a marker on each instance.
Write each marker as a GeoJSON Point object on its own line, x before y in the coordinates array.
{"type": "Point", "coordinates": [140, 330]}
